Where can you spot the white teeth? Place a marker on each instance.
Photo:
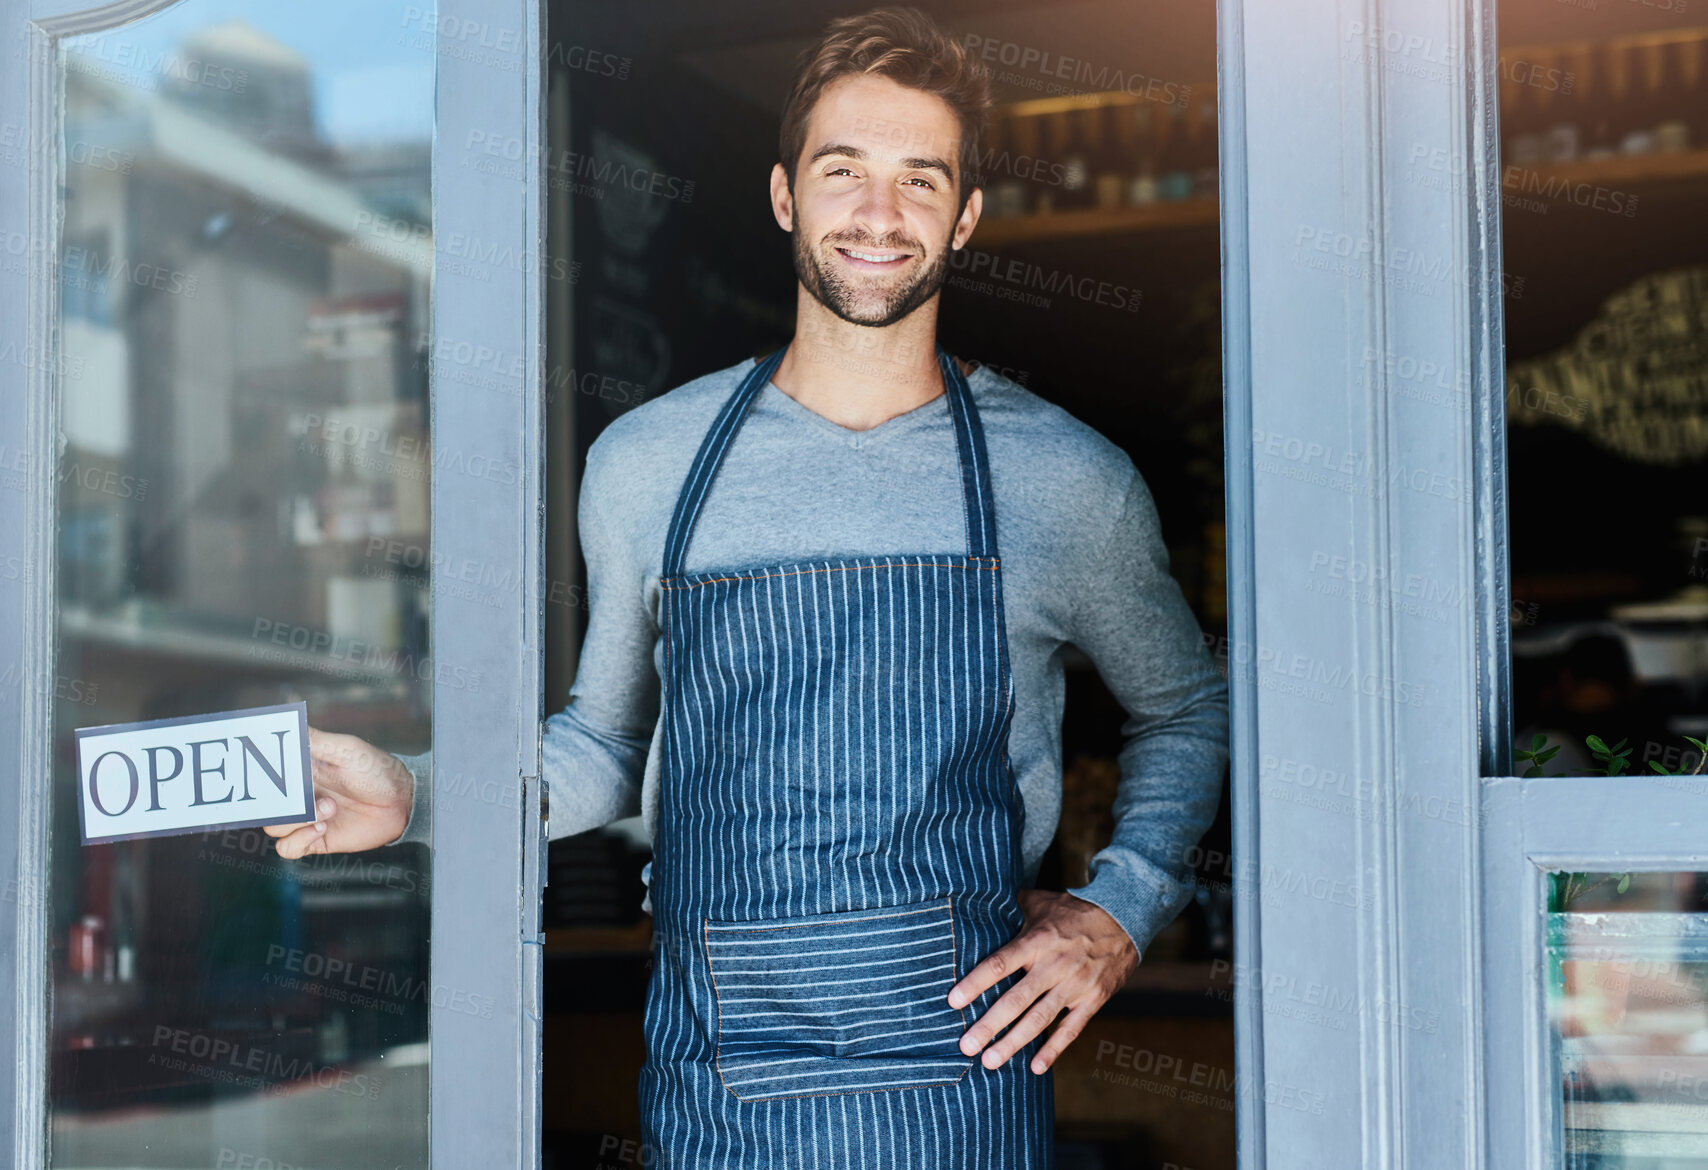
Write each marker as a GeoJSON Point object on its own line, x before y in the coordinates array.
{"type": "Point", "coordinates": [871, 256]}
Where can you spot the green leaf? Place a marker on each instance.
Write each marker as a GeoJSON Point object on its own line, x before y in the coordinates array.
{"type": "Point", "coordinates": [1539, 740]}
{"type": "Point", "coordinates": [1549, 754]}
{"type": "Point", "coordinates": [1698, 744]}
{"type": "Point", "coordinates": [1619, 745]}
{"type": "Point", "coordinates": [1595, 744]}
{"type": "Point", "coordinates": [1656, 765]}
{"type": "Point", "coordinates": [1624, 883]}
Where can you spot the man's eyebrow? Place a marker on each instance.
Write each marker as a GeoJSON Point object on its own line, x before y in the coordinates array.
{"type": "Point", "coordinates": [923, 164]}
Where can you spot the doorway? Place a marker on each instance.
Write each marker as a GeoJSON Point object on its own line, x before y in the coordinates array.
{"type": "Point", "coordinates": [1091, 280]}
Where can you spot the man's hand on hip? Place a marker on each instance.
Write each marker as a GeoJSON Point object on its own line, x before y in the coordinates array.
{"type": "Point", "coordinates": [1075, 957]}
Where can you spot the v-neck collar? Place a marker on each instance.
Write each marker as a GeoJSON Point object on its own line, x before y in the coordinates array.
{"type": "Point", "coordinates": [926, 412]}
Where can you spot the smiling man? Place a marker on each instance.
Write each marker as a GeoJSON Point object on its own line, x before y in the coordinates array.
{"type": "Point", "coordinates": [831, 594]}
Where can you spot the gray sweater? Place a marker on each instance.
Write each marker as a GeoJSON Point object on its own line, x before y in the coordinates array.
{"type": "Point", "coordinates": [1083, 566]}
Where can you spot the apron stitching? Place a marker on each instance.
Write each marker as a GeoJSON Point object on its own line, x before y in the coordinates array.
{"type": "Point", "coordinates": [990, 568]}
{"type": "Point", "coordinates": [728, 925]}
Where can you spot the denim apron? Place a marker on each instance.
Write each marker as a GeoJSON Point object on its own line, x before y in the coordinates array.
{"type": "Point", "coordinates": [838, 844]}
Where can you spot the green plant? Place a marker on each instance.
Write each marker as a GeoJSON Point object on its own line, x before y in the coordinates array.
{"type": "Point", "coordinates": [1701, 758]}
{"type": "Point", "coordinates": [1614, 760]}
{"type": "Point", "coordinates": [1535, 756]}
{"type": "Point", "coordinates": [1575, 885]}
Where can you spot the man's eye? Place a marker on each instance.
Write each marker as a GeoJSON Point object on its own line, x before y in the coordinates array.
{"type": "Point", "coordinates": [924, 181]}
{"type": "Point", "coordinates": [835, 170]}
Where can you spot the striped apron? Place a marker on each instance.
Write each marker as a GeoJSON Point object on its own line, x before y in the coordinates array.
{"type": "Point", "coordinates": [838, 843]}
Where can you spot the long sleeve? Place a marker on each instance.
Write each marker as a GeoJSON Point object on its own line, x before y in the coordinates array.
{"type": "Point", "coordinates": [1131, 619]}
{"type": "Point", "coordinates": [593, 755]}
{"type": "Point", "coordinates": [593, 752]}
{"type": "Point", "coordinates": [419, 828]}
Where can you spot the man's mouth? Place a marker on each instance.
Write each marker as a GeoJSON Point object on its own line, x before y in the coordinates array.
{"type": "Point", "coordinates": [867, 258]}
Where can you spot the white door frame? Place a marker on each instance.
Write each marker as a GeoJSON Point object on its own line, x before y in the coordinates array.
{"type": "Point", "coordinates": [1364, 415]}
{"type": "Point", "coordinates": [484, 1074]}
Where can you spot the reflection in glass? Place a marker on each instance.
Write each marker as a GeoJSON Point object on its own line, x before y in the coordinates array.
{"type": "Point", "coordinates": [1604, 180]}
{"type": "Point", "coordinates": [244, 266]}
{"type": "Point", "coordinates": [1628, 1005]}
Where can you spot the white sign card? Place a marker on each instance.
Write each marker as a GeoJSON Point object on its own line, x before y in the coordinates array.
{"type": "Point", "coordinates": [231, 769]}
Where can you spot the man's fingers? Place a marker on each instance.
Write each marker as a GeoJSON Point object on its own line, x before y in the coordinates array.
{"type": "Point", "coordinates": [997, 966]}
{"type": "Point", "coordinates": [1003, 1012]}
{"type": "Point", "coordinates": [324, 807]}
{"type": "Point", "coordinates": [1039, 1016]}
{"type": "Point", "coordinates": [309, 838]}
{"type": "Point", "coordinates": [1066, 1032]}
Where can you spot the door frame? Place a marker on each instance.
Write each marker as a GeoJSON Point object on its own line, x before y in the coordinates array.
{"type": "Point", "coordinates": [485, 1084]}
{"type": "Point", "coordinates": [488, 1095]}
{"type": "Point", "coordinates": [1363, 718]}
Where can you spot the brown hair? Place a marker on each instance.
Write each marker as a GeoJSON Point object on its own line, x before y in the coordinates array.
{"type": "Point", "coordinates": [906, 46]}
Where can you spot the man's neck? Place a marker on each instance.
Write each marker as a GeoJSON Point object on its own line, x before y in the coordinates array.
{"type": "Point", "coordinates": [858, 376]}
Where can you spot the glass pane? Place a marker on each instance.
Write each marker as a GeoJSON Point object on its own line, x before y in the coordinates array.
{"type": "Point", "coordinates": [244, 262]}
{"type": "Point", "coordinates": [1628, 1005]}
{"type": "Point", "coordinates": [1604, 183]}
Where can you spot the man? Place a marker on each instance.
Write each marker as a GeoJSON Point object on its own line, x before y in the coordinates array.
{"type": "Point", "coordinates": [830, 596]}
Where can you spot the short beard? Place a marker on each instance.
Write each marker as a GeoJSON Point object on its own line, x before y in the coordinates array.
{"type": "Point", "coordinates": [830, 290]}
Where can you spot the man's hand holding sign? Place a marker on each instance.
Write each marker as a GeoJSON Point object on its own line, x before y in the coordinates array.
{"type": "Point", "coordinates": [364, 798]}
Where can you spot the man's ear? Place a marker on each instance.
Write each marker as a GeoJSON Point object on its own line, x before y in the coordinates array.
{"type": "Point", "coordinates": [969, 219]}
{"type": "Point", "coordinates": [782, 199]}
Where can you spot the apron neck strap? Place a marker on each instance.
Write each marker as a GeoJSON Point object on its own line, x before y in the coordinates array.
{"type": "Point", "coordinates": [976, 495]}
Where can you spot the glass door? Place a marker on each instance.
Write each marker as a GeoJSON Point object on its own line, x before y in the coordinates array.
{"type": "Point", "coordinates": [235, 478]}
{"type": "Point", "coordinates": [1597, 919]}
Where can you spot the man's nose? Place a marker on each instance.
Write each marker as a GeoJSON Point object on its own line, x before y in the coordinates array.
{"type": "Point", "coordinates": [879, 209]}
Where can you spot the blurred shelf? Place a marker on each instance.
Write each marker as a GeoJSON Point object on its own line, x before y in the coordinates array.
{"type": "Point", "coordinates": [1636, 1129]}
{"type": "Point", "coordinates": [1096, 221]}
{"type": "Point", "coordinates": [1044, 106]}
{"type": "Point", "coordinates": [355, 899]}
{"type": "Point", "coordinates": [80, 1003]}
{"type": "Point", "coordinates": [600, 940]}
{"type": "Point", "coordinates": [1565, 587]}
{"type": "Point", "coordinates": [1682, 167]}
{"type": "Point", "coordinates": [176, 639]}
{"type": "Point", "coordinates": [1687, 168]}
{"type": "Point", "coordinates": [1615, 935]}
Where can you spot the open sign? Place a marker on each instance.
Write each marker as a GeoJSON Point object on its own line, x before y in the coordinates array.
{"type": "Point", "coordinates": [232, 769]}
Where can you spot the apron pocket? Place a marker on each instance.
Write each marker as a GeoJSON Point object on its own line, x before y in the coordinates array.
{"type": "Point", "coordinates": [837, 1003]}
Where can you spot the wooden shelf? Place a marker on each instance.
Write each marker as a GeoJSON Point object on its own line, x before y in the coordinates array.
{"type": "Point", "coordinates": [1024, 229]}
{"type": "Point", "coordinates": [600, 940]}
{"type": "Point", "coordinates": [1575, 587]}
{"type": "Point", "coordinates": [1118, 98]}
{"type": "Point", "coordinates": [1619, 173]}
{"type": "Point", "coordinates": [1685, 168]}
{"type": "Point", "coordinates": [1615, 172]}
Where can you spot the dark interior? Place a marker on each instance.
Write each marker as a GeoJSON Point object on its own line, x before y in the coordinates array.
{"type": "Point", "coordinates": [695, 92]}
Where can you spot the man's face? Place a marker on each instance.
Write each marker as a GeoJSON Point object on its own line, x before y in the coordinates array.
{"type": "Point", "coordinates": [874, 215]}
